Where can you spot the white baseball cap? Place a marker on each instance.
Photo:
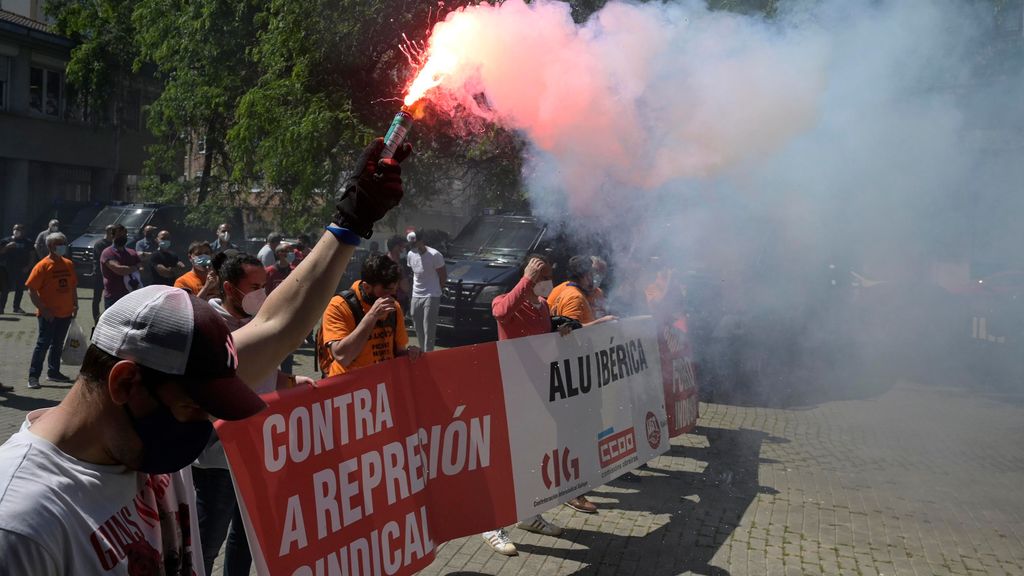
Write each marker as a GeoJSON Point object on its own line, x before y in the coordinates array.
{"type": "Point", "coordinates": [171, 331]}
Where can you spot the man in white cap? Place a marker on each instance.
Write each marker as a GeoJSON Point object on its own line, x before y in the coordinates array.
{"type": "Point", "coordinates": [428, 277]}
{"type": "Point", "coordinates": [100, 484]}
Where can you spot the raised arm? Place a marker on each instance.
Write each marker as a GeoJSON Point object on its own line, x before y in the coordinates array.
{"type": "Point", "coordinates": [293, 308]}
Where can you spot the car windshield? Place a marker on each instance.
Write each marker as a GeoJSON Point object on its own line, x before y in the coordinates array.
{"type": "Point", "coordinates": [134, 219]}
{"type": "Point", "coordinates": [105, 218]}
{"type": "Point", "coordinates": [502, 240]}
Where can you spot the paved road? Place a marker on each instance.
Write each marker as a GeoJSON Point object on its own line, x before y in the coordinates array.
{"type": "Point", "coordinates": [903, 478]}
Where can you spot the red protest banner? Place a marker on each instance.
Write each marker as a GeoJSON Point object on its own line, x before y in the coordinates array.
{"type": "Point", "coordinates": [679, 375]}
{"type": "Point", "coordinates": [340, 472]}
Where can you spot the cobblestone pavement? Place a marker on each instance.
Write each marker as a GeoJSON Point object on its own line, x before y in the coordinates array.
{"type": "Point", "coordinates": [908, 479]}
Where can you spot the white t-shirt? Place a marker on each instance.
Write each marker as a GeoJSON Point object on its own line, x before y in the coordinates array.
{"type": "Point", "coordinates": [266, 255]}
{"type": "Point", "coordinates": [425, 281]}
{"type": "Point", "coordinates": [59, 515]}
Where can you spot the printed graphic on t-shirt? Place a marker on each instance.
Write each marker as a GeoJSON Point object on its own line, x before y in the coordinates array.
{"type": "Point", "coordinates": [153, 517]}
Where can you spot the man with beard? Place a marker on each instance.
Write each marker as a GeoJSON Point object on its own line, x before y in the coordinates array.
{"type": "Point", "coordinates": [121, 267]}
{"type": "Point", "coordinates": [364, 325]}
{"type": "Point", "coordinates": [162, 363]}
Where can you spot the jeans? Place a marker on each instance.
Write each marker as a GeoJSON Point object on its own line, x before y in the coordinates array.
{"type": "Point", "coordinates": [14, 280]}
{"type": "Point", "coordinates": [215, 507]}
{"type": "Point", "coordinates": [51, 337]}
{"type": "Point", "coordinates": [424, 319]}
{"type": "Point", "coordinates": [97, 295]}
{"type": "Point", "coordinates": [237, 557]}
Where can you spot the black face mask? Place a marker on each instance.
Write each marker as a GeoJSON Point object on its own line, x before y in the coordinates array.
{"type": "Point", "coordinates": [120, 241]}
{"type": "Point", "coordinates": [168, 444]}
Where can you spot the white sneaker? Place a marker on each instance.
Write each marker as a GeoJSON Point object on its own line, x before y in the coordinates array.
{"type": "Point", "coordinates": [33, 383]}
{"type": "Point", "coordinates": [499, 540]}
{"type": "Point", "coordinates": [539, 525]}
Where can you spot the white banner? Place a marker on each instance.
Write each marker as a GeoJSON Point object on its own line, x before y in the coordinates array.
{"type": "Point", "coordinates": [582, 409]}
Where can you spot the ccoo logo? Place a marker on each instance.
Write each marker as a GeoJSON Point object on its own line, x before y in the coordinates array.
{"type": "Point", "coordinates": [615, 447]}
{"type": "Point", "coordinates": [558, 467]}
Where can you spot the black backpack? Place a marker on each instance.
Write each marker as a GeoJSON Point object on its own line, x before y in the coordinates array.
{"type": "Point", "coordinates": [356, 307]}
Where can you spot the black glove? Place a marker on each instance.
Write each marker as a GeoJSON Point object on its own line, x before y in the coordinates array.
{"type": "Point", "coordinates": [373, 189]}
{"type": "Point", "coordinates": [559, 321]}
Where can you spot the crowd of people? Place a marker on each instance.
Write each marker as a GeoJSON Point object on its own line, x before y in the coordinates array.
{"type": "Point", "coordinates": [184, 341]}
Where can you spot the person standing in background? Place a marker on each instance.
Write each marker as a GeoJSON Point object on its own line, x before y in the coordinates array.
{"type": "Point", "coordinates": [266, 253]}
{"type": "Point", "coordinates": [41, 249]}
{"type": "Point", "coordinates": [120, 265]}
{"type": "Point", "coordinates": [97, 269]}
{"type": "Point", "coordinates": [52, 286]}
{"type": "Point", "coordinates": [164, 265]}
{"type": "Point", "coordinates": [18, 255]}
{"type": "Point", "coordinates": [201, 281]}
{"type": "Point", "coordinates": [223, 241]}
{"type": "Point", "coordinates": [428, 277]}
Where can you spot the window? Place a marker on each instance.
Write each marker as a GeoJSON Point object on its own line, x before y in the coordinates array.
{"type": "Point", "coordinates": [46, 91]}
{"type": "Point", "coordinates": [5, 80]}
{"type": "Point", "coordinates": [1010, 17]}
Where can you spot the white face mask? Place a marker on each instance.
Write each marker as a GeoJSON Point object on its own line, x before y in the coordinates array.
{"type": "Point", "coordinates": [225, 236]}
{"type": "Point", "coordinates": [61, 250]}
{"type": "Point", "coordinates": [597, 280]}
{"type": "Point", "coordinates": [253, 301]}
{"type": "Point", "coordinates": [53, 227]}
{"type": "Point", "coordinates": [543, 288]}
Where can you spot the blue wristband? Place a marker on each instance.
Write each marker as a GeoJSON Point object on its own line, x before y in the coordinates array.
{"type": "Point", "coordinates": [344, 235]}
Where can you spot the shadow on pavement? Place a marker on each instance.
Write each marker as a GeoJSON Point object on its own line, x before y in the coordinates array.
{"type": "Point", "coordinates": [25, 403]}
{"type": "Point", "coordinates": [703, 510]}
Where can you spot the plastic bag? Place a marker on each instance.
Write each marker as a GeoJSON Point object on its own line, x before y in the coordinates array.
{"type": "Point", "coordinates": [74, 346]}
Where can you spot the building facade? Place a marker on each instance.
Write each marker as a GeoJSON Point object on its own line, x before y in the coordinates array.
{"type": "Point", "coordinates": [50, 155]}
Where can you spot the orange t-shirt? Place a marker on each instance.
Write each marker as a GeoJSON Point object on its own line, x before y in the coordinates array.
{"type": "Point", "coordinates": [338, 323]}
{"type": "Point", "coordinates": [55, 282]}
{"type": "Point", "coordinates": [190, 282]}
{"type": "Point", "coordinates": [569, 301]}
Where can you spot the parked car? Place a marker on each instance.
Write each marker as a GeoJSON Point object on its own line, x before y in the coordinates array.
{"type": "Point", "coordinates": [74, 216]}
{"type": "Point", "coordinates": [483, 261]}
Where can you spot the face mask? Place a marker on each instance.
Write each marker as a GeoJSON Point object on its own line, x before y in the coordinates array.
{"type": "Point", "coordinates": [253, 301]}
{"type": "Point", "coordinates": [18, 234]}
{"type": "Point", "coordinates": [61, 250]}
{"type": "Point", "coordinates": [54, 228]}
{"type": "Point", "coordinates": [165, 244]}
{"type": "Point", "coordinates": [168, 445]}
{"type": "Point", "coordinates": [597, 280]}
{"type": "Point", "coordinates": [121, 241]}
{"type": "Point", "coordinates": [225, 236]}
{"type": "Point", "coordinates": [290, 257]}
{"type": "Point", "coordinates": [202, 261]}
{"type": "Point", "coordinates": [543, 288]}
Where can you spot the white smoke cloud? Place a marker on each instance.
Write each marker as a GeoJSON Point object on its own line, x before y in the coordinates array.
{"type": "Point", "coordinates": [865, 136]}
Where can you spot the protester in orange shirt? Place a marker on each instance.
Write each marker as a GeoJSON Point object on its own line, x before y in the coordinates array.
{"type": "Point", "coordinates": [374, 332]}
{"type": "Point", "coordinates": [571, 298]}
{"type": "Point", "coordinates": [52, 286]}
{"type": "Point", "coordinates": [201, 280]}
